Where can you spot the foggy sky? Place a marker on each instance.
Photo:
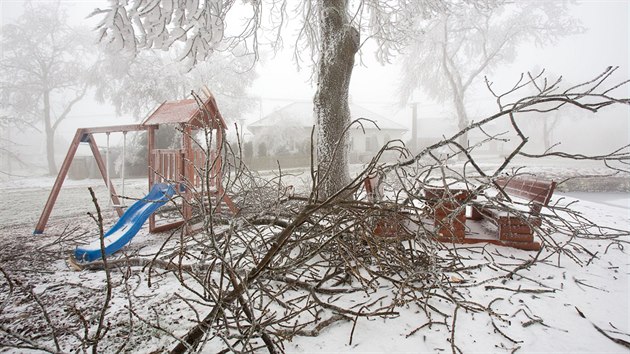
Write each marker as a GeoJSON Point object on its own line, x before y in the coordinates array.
{"type": "Point", "coordinates": [577, 57]}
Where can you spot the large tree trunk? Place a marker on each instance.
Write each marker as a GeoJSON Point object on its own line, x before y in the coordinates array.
{"type": "Point", "coordinates": [339, 44]}
{"type": "Point", "coordinates": [50, 136]}
{"type": "Point", "coordinates": [462, 119]}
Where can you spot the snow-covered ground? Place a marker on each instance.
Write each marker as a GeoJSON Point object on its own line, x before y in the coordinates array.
{"type": "Point", "coordinates": [24, 198]}
{"type": "Point", "coordinates": [546, 322]}
{"type": "Point", "coordinates": [615, 199]}
{"type": "Point", "coordinates": [537, 311]}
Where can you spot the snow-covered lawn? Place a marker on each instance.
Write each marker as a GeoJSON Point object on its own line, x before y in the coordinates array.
{"type": "Point", "coordinates": [554, 306]}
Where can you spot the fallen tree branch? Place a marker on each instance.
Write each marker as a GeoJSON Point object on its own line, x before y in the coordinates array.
{"type": "Point", "coordinates": [616, 340]}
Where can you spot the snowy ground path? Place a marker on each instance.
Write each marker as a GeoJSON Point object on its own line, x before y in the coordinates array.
{"type": "Point", "coordinates": [24, 199]}
{"type": "Point", "coordinates": [540, 312]}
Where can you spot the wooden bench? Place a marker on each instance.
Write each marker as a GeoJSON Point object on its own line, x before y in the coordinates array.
{"type": "Point", "coordinates": [520, 215]}
{"type": "Point", "coordinates": [390, 223]}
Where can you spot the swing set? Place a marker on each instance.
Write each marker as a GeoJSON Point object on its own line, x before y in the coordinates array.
{"type": "Point", "coordinates": [186, 168]}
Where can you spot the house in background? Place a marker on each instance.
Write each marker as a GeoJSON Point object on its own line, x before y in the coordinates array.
{"type": "Point", "coordinates": [285, 135]}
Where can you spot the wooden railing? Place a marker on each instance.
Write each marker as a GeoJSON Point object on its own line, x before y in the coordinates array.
{"type": "Point", "coordinates": [170, 163]}
{"type": "Point", "coordinates": [199, 159]}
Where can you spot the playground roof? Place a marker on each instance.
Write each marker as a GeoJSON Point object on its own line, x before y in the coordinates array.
{"type": "Point", "coordinates": [188, 112]}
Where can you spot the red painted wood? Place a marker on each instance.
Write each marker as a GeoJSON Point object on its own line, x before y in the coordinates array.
{"type": "Point", "coordinates": [151, 168]}
{"type": "Point", "coordinates": [116, 128]}
{"type": "Point", "coordinates": [61, 176]}
{"type": "Point", "coordinates": [527, 246]}
{"type": "Point", "coordinates": [533, 190]}
{"type": "Point", "coordinates": [65, 166]}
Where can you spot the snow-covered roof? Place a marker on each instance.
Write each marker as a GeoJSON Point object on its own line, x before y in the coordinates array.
{"type": "Point", "coordinates": [296, 114]}
{"type": "Point", "coordinates": [186, 111]}
{"type": "Point", "coordinates": [300, 114]}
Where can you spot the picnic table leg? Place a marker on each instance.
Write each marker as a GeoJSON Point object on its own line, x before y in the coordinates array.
{"type": "Point", "coordinates": [475, 213]}
{"type": "Point", "coordinates": [448, 223]}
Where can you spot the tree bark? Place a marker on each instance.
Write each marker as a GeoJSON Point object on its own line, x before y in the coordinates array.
{"type": "Point", "coordinates": [339, 44]}
{"type": "Point", "coordinates": [462, 118]}
{"type": "Point", "coordinates": [50, 136]}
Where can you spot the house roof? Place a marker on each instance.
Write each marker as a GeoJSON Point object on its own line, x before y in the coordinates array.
{"type": "Point", "coordinates": [187, 111]}
{"type": "Point", "coordinates": [300, 114]}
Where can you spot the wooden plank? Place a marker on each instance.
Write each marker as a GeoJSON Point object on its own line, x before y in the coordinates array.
{"type": "Point", "coordinates": [116, 128]}
{"type": "Point", "coordinates": [164, 167]}
{"type": "Point", "coordinates": [151, 168]}
{"type": "Point", "coordinates": [219, 153]}
{"type": "Point", "coordinates": [517, 229]}
{"type": "Point", "coordinates": [516, 220]}
{"type": "Point", "coordinates": [527, 246]}
{"type": "Point", "coordinates": [188, 171]}
{"type": "Point", "coordinates": [512, 236]}
{"type": "Point", "coordinates": [531, 189]}
{"type": "Point", "coordinates": [552, 188]}
{"type": "Point", "coordinates": [61, 176]}
{"type": "Point", "coordinates": [168, 226]}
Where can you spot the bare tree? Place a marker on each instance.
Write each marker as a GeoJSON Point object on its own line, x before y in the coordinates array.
{"type": "Point", "coordinates": [330, 31]}
{"type": "Point", "coordinates": [452, 50]}
{"type": "Point", "coordinates": [137, 84]}
{"type": "Point", "coordinates": [43, 70]}
{"type": "Point", "coordinates": [553, 118]}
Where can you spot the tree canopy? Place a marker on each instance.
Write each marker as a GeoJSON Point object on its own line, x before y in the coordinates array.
{"type": "Point", "coordinates": [137, 84]}
{"type": "Point", "coordinates": [450, 51]}
{"type": "Point", "coordinates": [44, 70]}
{"type": "Point", "coordinates": [207, 26]}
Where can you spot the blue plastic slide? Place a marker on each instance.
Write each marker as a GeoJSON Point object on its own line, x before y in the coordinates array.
{"type": "Point", "coordinates": [128, 225]}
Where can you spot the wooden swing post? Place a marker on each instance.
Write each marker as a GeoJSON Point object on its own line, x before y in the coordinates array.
{"type": "Point", "coordinates": [83, 135]}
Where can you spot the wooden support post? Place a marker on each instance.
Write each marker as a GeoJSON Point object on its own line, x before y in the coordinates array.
{"type": "Point", "coordinates": [188, 170]}
{"type": "Point", "coordinates": [218, 171]}
{"type": "Point", "coordinates": [82, 135]}
{"type": "Point", "coordinates": [151, 168]}
{"type": "Point", "coordinates": [103, 171]}
{"type": "Point", "coordinates": [61, 176]}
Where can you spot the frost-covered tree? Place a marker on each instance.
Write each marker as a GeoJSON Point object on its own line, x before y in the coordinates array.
{"type": "Point", "coordinates": [137, 84]}
{"type": "Point", "coordinates": [43, 70]}
{"type": "Point", "coordinates": [330, 33]}
{"type": "Point", "coordinates": [452, 50]}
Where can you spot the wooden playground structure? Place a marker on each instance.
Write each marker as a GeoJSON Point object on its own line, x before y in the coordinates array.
{"type": "Point", "coordinates": [196, 172]}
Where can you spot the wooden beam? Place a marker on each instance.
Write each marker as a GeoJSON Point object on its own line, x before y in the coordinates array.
{"type": "Point", "coordinates": [151, 168]}
{"type": "Point", "coordinates": [188, 172]}
{"type": "Point", "coordinates": [116, 128]}
{"type": "Point", "coordinates": [61, 176]}
{"type": "Point", "coordinates": [218, 166]}
{"type": "Point", "coordinates": [169, 226]}
{"type": "Point", "coordinates": [103, 171]}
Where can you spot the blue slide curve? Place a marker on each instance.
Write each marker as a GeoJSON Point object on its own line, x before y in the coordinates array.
{"type": "Point", "coordinates": [128, 225]}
